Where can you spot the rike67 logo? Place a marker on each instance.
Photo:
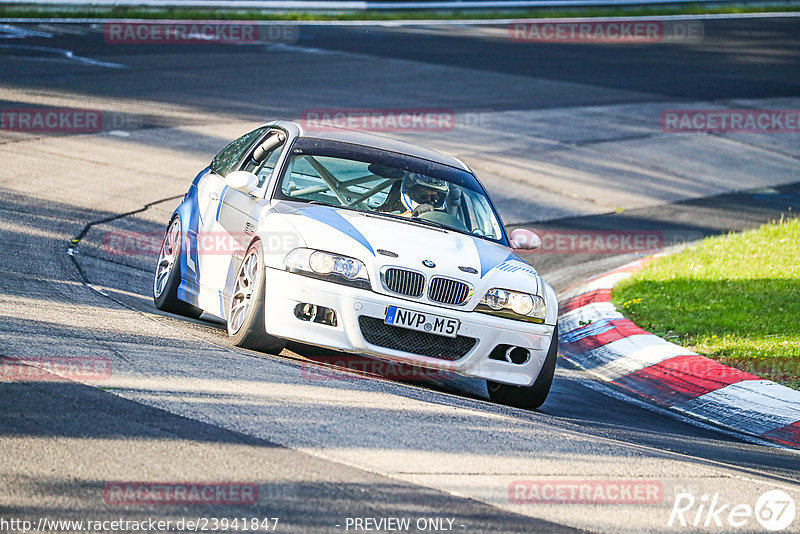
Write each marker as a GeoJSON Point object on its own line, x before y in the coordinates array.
{"type": "Point", "coordinates": [774, 510]}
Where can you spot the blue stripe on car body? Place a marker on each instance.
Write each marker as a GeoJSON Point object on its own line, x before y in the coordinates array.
{"type": "Point", "coordinates": [333, 219]}
{"type": "Point", "coordinates": [221, 198]}
{"type": "Point", "coordinates": [189, 213]}
{"type": "Point", "coordinates": [592, 329]}
{"type": "Point", "coordinates": [492, 255]}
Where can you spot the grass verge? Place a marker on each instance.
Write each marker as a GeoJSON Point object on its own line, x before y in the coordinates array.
{"type": "Point", "coordinates": [734, 298]}
{"type": "Point", "coordinates": [21, 11]}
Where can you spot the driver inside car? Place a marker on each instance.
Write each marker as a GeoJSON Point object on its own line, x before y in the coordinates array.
{"type": "Point", "coordinates": [416, 195]}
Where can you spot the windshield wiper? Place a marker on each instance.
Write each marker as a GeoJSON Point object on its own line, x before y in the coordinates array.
{"type": "Point", "coordinates": [428, 222]}
{"type": "Point", "coordinates": [412, 220]}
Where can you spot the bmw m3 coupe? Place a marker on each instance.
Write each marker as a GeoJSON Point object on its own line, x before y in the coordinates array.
{"type": "Point", "coordinates": [359, 243]}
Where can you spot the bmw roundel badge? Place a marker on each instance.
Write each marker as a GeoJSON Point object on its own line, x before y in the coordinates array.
{"type": "Point", "coordinates": [428, 263]}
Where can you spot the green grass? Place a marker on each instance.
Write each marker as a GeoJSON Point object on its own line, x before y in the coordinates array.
{"type": "Point", "coordinates": [734, 298]}
{"type": "Point", "coordinates": [166, 13]}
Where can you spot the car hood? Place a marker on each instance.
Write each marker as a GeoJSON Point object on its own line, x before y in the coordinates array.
{"type": "Point", "coordinates": [375, 239]}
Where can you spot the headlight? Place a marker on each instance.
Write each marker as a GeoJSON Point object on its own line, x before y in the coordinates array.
{"type": "Point", "coordinates": [326, 266]}
{"type": "Point", "coordinates": [513, 305]}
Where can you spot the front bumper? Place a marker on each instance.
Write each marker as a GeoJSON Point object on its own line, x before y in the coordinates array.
{"type": "Point", "coordinates": [285, 290]}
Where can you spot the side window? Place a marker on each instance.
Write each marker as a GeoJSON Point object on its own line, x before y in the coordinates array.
{"type": "Point", "coordinates": [226, 161]}
{"type": "Point", "coordinates": [265, 171]}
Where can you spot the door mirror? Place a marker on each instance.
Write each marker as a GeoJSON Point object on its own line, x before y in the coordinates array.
{"type": "Point", "coordinates": [523, 239]}
{"type": "Point", "coordinates": [242, 180]}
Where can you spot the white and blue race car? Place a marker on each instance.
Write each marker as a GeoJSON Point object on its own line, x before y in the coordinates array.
{"type": "Point", "coordinates": [363, 244]}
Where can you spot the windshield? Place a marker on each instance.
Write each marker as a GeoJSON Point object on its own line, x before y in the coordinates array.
{"type": "Point", "coordinates": [367, 179]}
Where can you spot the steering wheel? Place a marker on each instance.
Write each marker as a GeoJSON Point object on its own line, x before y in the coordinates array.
{"type": "Point", "coordinates": [442, 217]}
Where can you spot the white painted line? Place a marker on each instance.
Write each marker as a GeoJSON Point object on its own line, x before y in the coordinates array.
{"type": "Point", "coordinates": [753, 406]}
{"type": "Point", "coordinates": [8, 31]}
{"type": "Point", "coordinates": [636, 354]}
{"type": "Point", "coordinates": [90, 286]}
{"type": "Point", "coordinates": [68, 54]}
{"type": "Point", "coordinates": [284, 47]}
{"type": "Point", "coordinates": [599, 358]}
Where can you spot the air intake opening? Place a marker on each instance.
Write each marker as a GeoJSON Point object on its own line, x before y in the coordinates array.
{"type": "Point", "coordinates": [315, 314]}
{"type": "Point", "coordinates": [499, 352]}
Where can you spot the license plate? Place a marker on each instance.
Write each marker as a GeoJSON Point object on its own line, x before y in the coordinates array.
{"type": "Point", "coordinates": [422, 322]}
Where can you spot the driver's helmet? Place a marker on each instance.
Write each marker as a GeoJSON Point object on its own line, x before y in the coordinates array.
{"type": "Point", "coordinates": [419, 189]}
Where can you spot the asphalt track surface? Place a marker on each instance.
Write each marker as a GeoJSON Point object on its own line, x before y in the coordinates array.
{"type": "Point", "coordinates": [183, 405]}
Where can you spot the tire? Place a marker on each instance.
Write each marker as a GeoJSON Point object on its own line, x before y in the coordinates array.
{"type": "Point", "coordinates": [532, 396]}
{"type": "Point", "coordinates": [168, 275]}
{"type": "Point", "coordinates": [246, 311]}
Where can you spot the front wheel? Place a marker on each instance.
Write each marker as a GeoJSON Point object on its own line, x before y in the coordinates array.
{"type": "Point", "coordinates": [168, 275]}
{"type": "Point", "coordinates": [533, 396]}
{"type": "Point", "coordinates": [246, 312]}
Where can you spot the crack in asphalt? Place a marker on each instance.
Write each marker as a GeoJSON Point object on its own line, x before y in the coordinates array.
{"type": "Point", "coordinates": [75, 241]}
